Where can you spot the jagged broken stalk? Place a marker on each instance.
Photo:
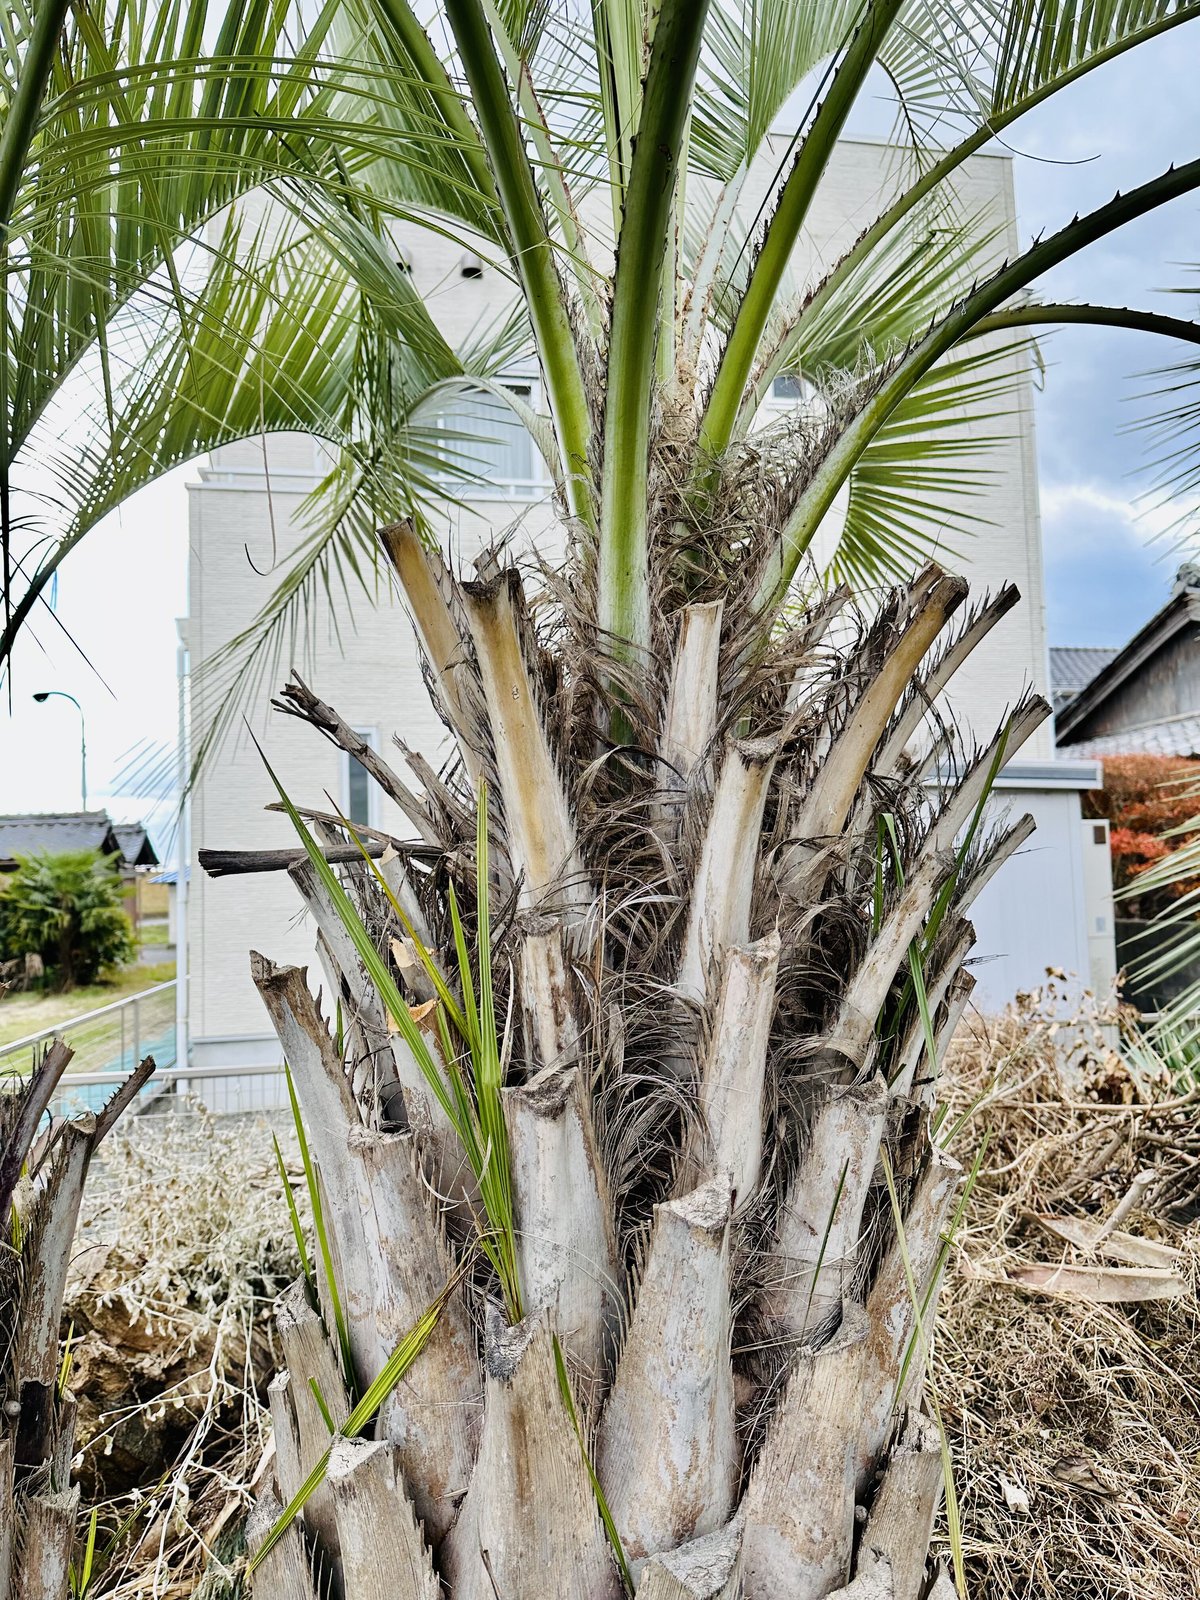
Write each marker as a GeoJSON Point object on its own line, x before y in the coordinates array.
{"type": "Point", "coordinates": [659, 1041]}
{"type": "Point", "coordinates": [43, 1168]}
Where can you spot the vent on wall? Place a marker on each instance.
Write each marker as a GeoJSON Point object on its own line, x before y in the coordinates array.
{"type": "Point", "coordinates": [470, 266]}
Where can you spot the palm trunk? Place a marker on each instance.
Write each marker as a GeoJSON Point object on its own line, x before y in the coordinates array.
{"type": "Point", "coordinates": [729, 1199]}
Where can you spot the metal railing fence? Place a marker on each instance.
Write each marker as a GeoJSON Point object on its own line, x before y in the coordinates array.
{"type": "Point", "coordinates": [108, 1043]}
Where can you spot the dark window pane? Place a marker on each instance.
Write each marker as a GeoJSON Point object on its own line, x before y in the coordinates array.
{"type": "Point", "coordinates": [358, 800]}
{"type": "Point", "coordinates": [787, 386]}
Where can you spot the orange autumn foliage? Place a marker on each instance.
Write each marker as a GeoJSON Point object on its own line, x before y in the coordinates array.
{"type": "Point", "coordinates": [1143, 799]}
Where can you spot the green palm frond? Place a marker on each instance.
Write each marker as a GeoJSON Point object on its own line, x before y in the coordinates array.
{"type": "Point", "coordinates": [924, 471]}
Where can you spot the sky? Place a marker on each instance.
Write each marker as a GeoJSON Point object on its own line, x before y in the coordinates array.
{"type": "Point", "coordinates": [121, 591]}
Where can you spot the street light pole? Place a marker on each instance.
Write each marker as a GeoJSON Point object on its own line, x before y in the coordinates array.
{"type": "Point", "coordinates": [41, 697]}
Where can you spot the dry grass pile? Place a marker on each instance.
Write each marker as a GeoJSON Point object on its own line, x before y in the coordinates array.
{"type": "Point", "coordinates": [1074, 1420]}
{"type": "Point", "coordinates": [184, 1243]}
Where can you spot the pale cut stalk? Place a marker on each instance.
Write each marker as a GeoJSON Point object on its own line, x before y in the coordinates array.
{"type": "Point", "coordinates": [432, 1417]}
{"type": "Point", "coordinates": [972, 887]}
{"type": "Point", "coordinates": [911, 1050]}
{"type": "Point", "coordinates": [799, 1504]}
{"type": "Point", "coordinates": [900, 1525]}
{"type": "Point", "coordinates": [723, 889]}
{"type": "Point", "coordinates": [541, 839]}
{"type": "Point", "coordinates": [284, 1573]}
{"type": "Point", "coordinates": [704, 1569]}
{"type": "Point", "coordinates": [691, 715]}
{"type": "Point", "coordinates": [926, 692]}
{"type": "Point", "coordinates": [62, 1451]}
{"type": "Point", "coordinates": [383, 1551]}
{"type": "Point", "coordinates": [877, 1585]}
{"type": "Point", "coordinates": [299, 1428]}
{"type": "Point", "coordinates": [667, 1452]}
{"type": "Point", "coordinates": [362, 1011]}
{"type": "Point", "coordinates": [549, 1003]}
{"type": "Point", "coordinates": [7, 1451]}
{"type": "Point", "coordinates": [827, 804]}
{"type": "Point", "coordinates": [44, 1550]}
{"type": "Point", "coordinates": [530, 1513]}
{"type": "Point", "coordinates": [395, 874]}
{"type": "Point", "coordinates": [330, 1112]}
{"type": "Point", "coordinates": [35, 1364]}
{"type": "Point", "coordinates": [411, 970]}
{"type": "Point", "coordinates": [890, 1308]}
{"type": "Point", "coordinates": [852, 1037]}
{"type": "Point", "coordinates": [734, 1071]}
{"type": "Point", "coordinates": [821, 1222]}
{"type": "Point", "coordinates": [430, 590]}
{"type": "Point", "coordinates": [566, 1243]}
{"type": "Point", "coordinates": [289, 1473]}
{"type": "Point", "coordinates": [973, 785]}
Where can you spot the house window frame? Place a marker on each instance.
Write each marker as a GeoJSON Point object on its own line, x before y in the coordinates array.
{"type": "Point", "coordinates": [526, 489]}
{"type": "Point", "coordinates": [370, 737]}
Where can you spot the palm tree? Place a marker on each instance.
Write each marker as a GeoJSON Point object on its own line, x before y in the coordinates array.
{"type": "Point", "coordinates": [632, 1190]}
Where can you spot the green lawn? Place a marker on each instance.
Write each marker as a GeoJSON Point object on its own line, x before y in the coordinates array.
{"type": "Point", "coordinates": [153, 933]}
{"type": "Point", "coordinates": [22, 1014]}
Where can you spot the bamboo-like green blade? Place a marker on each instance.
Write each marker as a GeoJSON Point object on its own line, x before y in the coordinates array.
{"type": "Point", "coordinates": [318, 1211]}
{"type": "Point", "coordinates": [606, 1516]}
{"type": "Point", "coordinates": [293, 1213]}
{"type": "Point", "coordinates": [394, 1369]}
{"type": "Point", "coordinates": [624, 579]}
{"type": "Point", "coordinates": [480, 1127]}
{"type": "Point", "coordinates": [531, 248]}
{"type": "Point", "coordinates": [376, 967]}
{"type": "Point", "coordinates": [787, 221]}
{"type": "Point", "coordinates": [496, 1180]}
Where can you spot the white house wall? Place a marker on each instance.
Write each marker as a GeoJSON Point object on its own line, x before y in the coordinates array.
{"type": "Point", "coordinates": [371, 675]}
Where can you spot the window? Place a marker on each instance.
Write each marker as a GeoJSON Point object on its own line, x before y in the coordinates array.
{"type": "Point", "coordinates": [788, 388]}
{"type": "Point", "coordinates": [358, 787]}
{"type": "Point", "coordinates": [485, 439]}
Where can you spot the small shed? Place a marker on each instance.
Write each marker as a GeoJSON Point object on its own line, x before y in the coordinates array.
{"type": "Point", "coordinates": [56, 833]}
{"type": "Point", "coordinates": [1143, 699]}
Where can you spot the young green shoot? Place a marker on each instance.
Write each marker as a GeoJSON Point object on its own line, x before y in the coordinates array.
{"type": "Point", "coordinates": [606, 1516]}
{"type": "Point", "coordinates": [366, 1410]}
{"type": "Point", "coordinates": [921, 1306]}
{"type": "Point", "coordinates": [293, 1213]}
{"type": "Point", "coordinates": [318, 1211]}
{"type": "Point", "coordinates": [480, 1124]}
